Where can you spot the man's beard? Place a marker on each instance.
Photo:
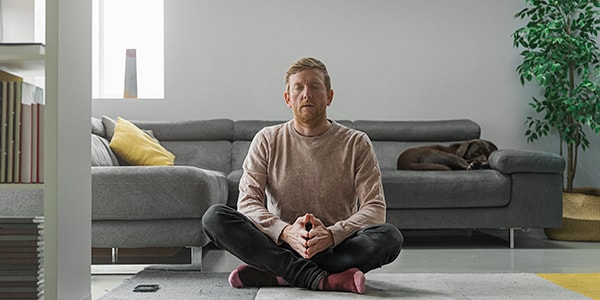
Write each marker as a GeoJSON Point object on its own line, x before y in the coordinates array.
{"type": "Point", "coordinates": [310, 119]}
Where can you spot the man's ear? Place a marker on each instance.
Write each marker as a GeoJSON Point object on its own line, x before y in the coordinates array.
{"type": "Point", "coordinates": [330, 97]}
{"type": "Point", "coordinates": [286, 97]}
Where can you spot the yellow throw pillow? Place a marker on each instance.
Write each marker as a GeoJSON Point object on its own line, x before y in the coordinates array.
{"type": "Point", "coordinates": [137, 148]}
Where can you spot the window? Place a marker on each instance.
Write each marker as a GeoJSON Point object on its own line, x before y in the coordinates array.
{"type": "Point", "coordinates": [119, 25]}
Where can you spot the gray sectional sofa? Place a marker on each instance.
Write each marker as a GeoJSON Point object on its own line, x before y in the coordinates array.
{"type": "Point", "coordinates": [141, 206]}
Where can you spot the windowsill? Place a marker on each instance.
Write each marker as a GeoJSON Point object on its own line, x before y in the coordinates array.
{"type": "Point", "coordinates": [128, 99]}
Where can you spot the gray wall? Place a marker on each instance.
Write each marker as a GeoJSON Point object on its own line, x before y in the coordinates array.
{"type": "Point", "coordinates": [389, 60]}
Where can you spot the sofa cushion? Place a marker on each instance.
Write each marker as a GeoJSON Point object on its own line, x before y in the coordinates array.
{"type": "Point", "coordinates": [190, 130]}
{"type": "Point", "coordinates": [245, 130]}
{"type": "Point", "coordinates": [425, 131]}
{"type": "Point", "coordinates": [137, 147]}
{"type": "Point", "coordinates": [238, 154]}
{"type": "Point", "coordinates": [387, 152]}
{"type": "Point", "coordinates": [210, 155]}
{"type": "Point", "coordinates": [102, 155]}
{"type": "Point", "coordinates": [445, 189]}
{"type": "Point", "coordinates": [155, 192]}
{"type": "Point", "coordinates": [98, 127]}
{"type": "Point", "coordinates": [177, 232]}
{"type": "Point", "coordinates": [509, 161]}
{"type": "Point", "coordinates": [233, 179]}
{"type": "Point", "coordinates": [109, 127]}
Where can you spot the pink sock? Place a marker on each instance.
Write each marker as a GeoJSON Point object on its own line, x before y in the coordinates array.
{"type": "Point", "coordinates": [351, 280]}
{"type": "Point", "coordinates": [247, 276]}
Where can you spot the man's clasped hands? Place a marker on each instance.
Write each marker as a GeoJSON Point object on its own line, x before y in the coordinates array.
{"type": "Point", "coordinates": [307, 236]}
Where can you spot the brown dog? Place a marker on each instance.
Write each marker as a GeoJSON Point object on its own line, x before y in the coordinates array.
{"type": "Point", "coordinates": [468, 155]}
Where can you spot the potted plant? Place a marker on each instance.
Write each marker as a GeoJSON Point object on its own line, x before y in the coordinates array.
{"type": "Point", "coordinates": [561, 54]}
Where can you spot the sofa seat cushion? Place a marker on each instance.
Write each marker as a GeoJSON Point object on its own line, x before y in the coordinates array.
{"type": "Point", "coordinates": [155, 192]}
{"type": "Point", "coordinates": [445, 189]}
{"type": "Point", "coordinates": [234, 187]}
{"type": "Point", "coordinates": [148, 233]}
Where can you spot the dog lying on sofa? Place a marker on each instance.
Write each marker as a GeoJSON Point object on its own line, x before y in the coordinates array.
{"type": "Point", "coordinates": [469, 155]}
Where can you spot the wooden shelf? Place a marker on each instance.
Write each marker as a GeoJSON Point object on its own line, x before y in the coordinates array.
{"type": "Point", "coordinates": [21, 186]}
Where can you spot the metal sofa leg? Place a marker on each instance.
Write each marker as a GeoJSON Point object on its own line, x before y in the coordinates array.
{"type": "Point", "coordinates": [114, 255]}
{"type": "Point", "coordinates": [511, 234]}
{"type": "Point", "coordinates": [196, 256]}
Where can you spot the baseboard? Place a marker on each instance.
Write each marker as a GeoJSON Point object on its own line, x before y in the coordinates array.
{"type": "Point", "coordinates": [116, 269]}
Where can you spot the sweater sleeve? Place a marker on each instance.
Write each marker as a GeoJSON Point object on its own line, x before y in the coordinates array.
{"type": "Point", "coordinates": [251, 201]}
{"type": "Point", "coordinates": [369, 191]}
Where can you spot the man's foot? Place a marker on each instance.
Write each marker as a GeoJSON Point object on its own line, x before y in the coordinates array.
{"type": "Point", "coordinates": [351, 280]}
{"type": "Point", "coordinates": [247, 276]}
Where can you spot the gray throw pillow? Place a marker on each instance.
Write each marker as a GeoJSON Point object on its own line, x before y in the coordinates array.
{"type": "Point", "coordinates": [109, 127]}
{"type": "Point", "coordinates": [101, 153]}
{"type": "Point", "coordinates": [98, 127]}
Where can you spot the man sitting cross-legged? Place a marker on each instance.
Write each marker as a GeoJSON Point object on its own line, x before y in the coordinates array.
{"type": "Point", "coordinates": [311, 210]}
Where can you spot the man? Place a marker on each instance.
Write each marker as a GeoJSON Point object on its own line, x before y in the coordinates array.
{"type": "Point", "coordinates": [323, 225]}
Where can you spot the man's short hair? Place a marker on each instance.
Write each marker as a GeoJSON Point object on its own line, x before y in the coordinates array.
{"type": "Point", "coordinates": [307, 63]}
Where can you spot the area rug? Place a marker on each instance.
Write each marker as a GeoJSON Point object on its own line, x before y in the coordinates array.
{"type": "Point", "coordinates": [179, 284]}
{"type": "Point", "coordinates": [584, 283]}
{"type": "Point", "coordinates": [200, 285]}
{"type": "Point", "coordinates": [440, 286]}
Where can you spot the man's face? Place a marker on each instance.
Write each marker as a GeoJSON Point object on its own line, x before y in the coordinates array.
{"type": "Point", "coordinates": [308, 97]}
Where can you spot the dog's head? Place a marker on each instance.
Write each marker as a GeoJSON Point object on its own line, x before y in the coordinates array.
{"type": "Point", "coordinates": [476, 152]}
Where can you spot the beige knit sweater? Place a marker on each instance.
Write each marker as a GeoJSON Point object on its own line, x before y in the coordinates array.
{"type": "Point", "coordinates": [334, 176]}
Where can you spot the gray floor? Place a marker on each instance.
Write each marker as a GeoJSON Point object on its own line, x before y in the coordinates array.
{"type": "Point", "coordinates": [439, 252]}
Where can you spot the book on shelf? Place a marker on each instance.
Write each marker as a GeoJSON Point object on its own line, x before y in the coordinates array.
{"type": "Point", "coordinates": [14, 125]}
{"type": "Point", "coordinates": [17, 135]}
{"type": "Point", "coordinates": [19, 50]}
{"type": "Point", "coordinates": [15, 273]}
{"type": "Point", "coordinates": [37, 115]}
{"type": "Point", "coordinates": [31, 106]}
{"type": "Point", "coordinates": [21, 257]}
{"type": "Point", "coordinates": [22, 130]}
{"type": "Point", "coordinates": [26, 121]}
{"type": "Point", "coordinates": [10, 142]}
{"type": "Point", "coordinates": [3, 130]}
{"type": "Point", "coordinates": [40, 137]}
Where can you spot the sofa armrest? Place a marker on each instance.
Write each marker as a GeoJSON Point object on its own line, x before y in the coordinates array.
{"type": "Point", "coordinates": [510, 161]}
{"type": "Point", "coordinates": [156, 192]}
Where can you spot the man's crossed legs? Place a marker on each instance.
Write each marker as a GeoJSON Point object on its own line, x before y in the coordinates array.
{"type": "Point", "coordinates": [340, 268]}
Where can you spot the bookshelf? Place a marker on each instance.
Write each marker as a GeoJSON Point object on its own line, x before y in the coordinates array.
{"type": "Point", "coordinates": [26, 60]}
{"type": "Point", "coordinates": [22, 254]}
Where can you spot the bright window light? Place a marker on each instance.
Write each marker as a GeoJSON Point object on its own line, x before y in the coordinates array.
{"type": "Point", "coordinates": [119, 25]}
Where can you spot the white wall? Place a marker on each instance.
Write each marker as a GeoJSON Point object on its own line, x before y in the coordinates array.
{"type": "Point", "coordinates": [19, 20]}
{"type": "Point", "coordinates": [389, 60]}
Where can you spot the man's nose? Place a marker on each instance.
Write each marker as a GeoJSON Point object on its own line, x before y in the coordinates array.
{"type": "Point", "coordinates": [306, 93]}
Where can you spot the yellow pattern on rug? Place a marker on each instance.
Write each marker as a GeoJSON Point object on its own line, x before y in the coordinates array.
{"type": "Point", "coordinates": [587, 284]}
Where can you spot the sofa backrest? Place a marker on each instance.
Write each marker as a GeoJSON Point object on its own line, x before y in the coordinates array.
{"type": "Point", "coordinates": [201, 143]}
{"type": "Point", "coordinates": [391, 138]}
{"type": "Point", "coordinates": [222, 144]}
{"type": "Point", "coordinates": [243, 133]}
